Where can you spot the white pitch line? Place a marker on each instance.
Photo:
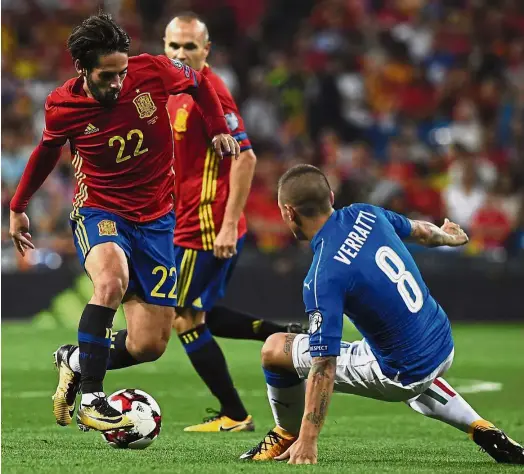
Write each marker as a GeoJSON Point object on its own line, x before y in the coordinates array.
{"type": "Point", "coordinates": [460, 385]}
{"type": "Point", "coordinates": [474, 386]}
{"type": "Point", "coordinates": [159, 393]}
{"type": "Point", "coordinates": [35, 394]}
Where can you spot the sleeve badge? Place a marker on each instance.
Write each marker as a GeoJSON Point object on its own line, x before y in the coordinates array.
{"type": "Point", "coordinates": [232, 121]}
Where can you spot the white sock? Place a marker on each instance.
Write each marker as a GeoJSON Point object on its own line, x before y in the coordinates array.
{"type": "Point", "coordinates": [87, 398]}
{"type": "Point", "coordinates": [443, 403]}
{"type": "Point", "coordinates": [74, 360]}
{"type": "Point", "coordinates": [287, 405]}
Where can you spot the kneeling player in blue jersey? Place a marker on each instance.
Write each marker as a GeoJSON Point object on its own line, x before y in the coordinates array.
{"type": "Point", "coordinates": [362, 269]}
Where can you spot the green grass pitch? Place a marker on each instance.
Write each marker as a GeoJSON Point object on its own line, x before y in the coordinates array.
{"type": "Point", "coordinates": [360, 436]}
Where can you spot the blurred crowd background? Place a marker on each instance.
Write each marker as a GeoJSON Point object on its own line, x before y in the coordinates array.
{"type": "Point", "coordinates": [416, 106]}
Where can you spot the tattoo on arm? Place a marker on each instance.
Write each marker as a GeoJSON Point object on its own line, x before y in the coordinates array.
{"type": "Point", "coordinates": [321, 365]}
{"type": "Point", "coordinates": [288, 343]}
{"type": "Point", "coordinates": [317, 418]}
{"type": "Point", "coordinates": [428, 234]}
{"type": "Point", "coordinates": [321, 379]}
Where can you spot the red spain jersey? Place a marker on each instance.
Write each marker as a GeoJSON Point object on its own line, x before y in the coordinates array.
{"type": "Point", "coordinates": [123, 155]}
{"type": "Point", "coordinates": [201, 178]}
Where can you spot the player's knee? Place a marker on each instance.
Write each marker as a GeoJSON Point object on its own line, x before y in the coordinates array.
{"type": "Point", "coordinates": [182, 324]}
{"type": "Point", "coordinates": [184, 321]}
{"type": "Point", "coordinates": [272, 350]}
{"type": "Point", "coordinates": [148, 350]}
{"type": "Point", "coordinates": [110, 289]}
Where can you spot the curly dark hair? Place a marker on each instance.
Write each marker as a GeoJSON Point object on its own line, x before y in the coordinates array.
{"type": "Point", "coordinates": [98, 35]}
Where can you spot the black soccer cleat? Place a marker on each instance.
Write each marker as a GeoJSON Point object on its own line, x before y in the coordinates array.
{"type": "Point", "coordinates": [64, 399]}
{"type": "Point", "coordinates": [497, 444]}
{"type": "Point", "coordinates": [295, 328]}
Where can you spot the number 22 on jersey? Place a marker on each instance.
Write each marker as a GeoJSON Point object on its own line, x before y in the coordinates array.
{"type": "Point", "coordinates": [163, 277]}
{"type": "Point", "coordinates": [121, 142]}
{"type": "Point", "coordinates": [400, 277]}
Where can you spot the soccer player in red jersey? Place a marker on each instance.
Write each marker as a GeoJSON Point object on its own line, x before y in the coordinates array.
{"type": "Point", "coordinates": [210, 196]}
{"type": "Point", "coordinates": [114, 117]}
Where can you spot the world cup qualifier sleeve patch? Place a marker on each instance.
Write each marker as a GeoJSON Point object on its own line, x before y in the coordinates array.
{"type": "Point", "coordinates": [232, 121]}
{"type": "Point", "coordinates": [315, 322]}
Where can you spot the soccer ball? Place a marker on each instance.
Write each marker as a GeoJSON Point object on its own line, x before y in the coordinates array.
{"type": "Point", "coordinates": [143, 410]}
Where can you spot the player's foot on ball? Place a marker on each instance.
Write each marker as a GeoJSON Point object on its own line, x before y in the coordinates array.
{"type": "Point", "coordinates": [496, 443]}
{"type": "Point", "coordinates": [64, 399]}
{"type": "Point", "coordinates": [275, 443]}
{"type": "Point", "coordinates": [101, 416]}
{"type": "Point", "coordinates": [296, 328]}
{"type": "Point", "coordinates": [219, 422]}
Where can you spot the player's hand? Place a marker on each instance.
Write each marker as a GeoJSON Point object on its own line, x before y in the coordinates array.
{"type": "Point", "coordinates": [457, 236]}
{"type": "Point", "coordinates": [225, 144]}
{"type": "Point", "coordinates": [225, 245]}
{"type": "Point", "coordinates": [300, 452]}
{"type": "Point", "coordinates": [19, 231]}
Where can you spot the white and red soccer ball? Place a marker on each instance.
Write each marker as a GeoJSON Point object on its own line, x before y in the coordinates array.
{"type": "Point", "coordinates": [143, 411]}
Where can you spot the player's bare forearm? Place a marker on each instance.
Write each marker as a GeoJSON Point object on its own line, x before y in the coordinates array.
{"type": "Point", "coordinates": [240, 178]}
{"type": "Point", "coordinates": [429, 235]}
{"type": "Point", "coordinates": [319, 390]}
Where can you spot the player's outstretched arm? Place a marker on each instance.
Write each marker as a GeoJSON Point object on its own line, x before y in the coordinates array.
{"type": "Point", "coordinates": [177, 78]}
{"type": "Point", "coordinates": [41, 163]}
{"type": "Point", "coordinates": [319, 390]}
{"type": "Point", "coordinates": [429, 235]}
{"type": "Point", "coordinates": [207, 99]}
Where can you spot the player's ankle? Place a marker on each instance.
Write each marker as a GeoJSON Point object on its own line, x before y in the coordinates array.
{"type": "Point", "coordinates": [480, 423]}
{"type": "Point", "coordinates": [74, 360]}
{"type": "Point", "coordinates": [284, 433]}
{"type": "Point", "coordinates": [87, 398]}
{"type": "Point", "coordinates": [235, 413]}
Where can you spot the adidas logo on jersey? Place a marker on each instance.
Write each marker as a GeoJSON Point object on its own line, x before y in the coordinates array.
{"type": "Point", "coordinates": [91, 129]}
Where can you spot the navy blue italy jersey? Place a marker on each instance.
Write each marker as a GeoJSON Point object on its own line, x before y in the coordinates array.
{"type": "Point", "coordinates": [362, 269]}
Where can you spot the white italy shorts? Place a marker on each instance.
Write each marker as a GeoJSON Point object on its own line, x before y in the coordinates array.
{"type": "Point", "coordinates": [358, 372]}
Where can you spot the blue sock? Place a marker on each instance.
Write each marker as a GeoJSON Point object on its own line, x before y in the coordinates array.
{"type": "Point", "coordinates": [208, 360]}
{"type": "Point", "coordinates": [281, 380]}
{"type": "Point", "coordinates": [94, 341]}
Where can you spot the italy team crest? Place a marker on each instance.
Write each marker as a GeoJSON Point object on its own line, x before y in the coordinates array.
{"type": "Point", "coordinates": [180, 124]}
{"type": "Point", "coordinates": [107, 227]}
{"type": "Point", "coordinates": [144, 105]}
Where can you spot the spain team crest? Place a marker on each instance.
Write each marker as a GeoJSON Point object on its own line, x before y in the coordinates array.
{"type": "Point", "coordinates": [180, 124]}
{"type": "Point", "coordinates": [107, 227]}
{"type": "Point", "coordinates": [144, 105]}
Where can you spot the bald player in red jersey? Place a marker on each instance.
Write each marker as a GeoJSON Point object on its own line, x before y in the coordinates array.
{"type": "Point", "coordinates": [210, 231]}
{"type": "Point", "coordinates": [114, 117]}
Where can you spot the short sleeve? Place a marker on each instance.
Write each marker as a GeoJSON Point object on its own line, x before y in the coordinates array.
{"type": "Point", "coordinates": [235, 123]}
{"type": "Point", "coordinates": [176, 76]}
{"type": "Point", "coordinates": [324, 301]}
{"type": "Point", "coordinates": [55, 130]}
{"type": "Point", "coordinates": [400, 223]}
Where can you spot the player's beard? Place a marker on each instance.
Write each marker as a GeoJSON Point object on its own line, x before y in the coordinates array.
{"type": "Point", "coordinates": [107, 99]}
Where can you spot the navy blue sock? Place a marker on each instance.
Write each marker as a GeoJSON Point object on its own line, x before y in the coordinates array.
{"type": "Point", "coordinates": [119, 356]}
{"type": "Point", "coordinates": [94, 341]}
{"type": "Point", "coordinates": [227, 322]}
{"type": "Point", "coordinates": [209, 362]}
